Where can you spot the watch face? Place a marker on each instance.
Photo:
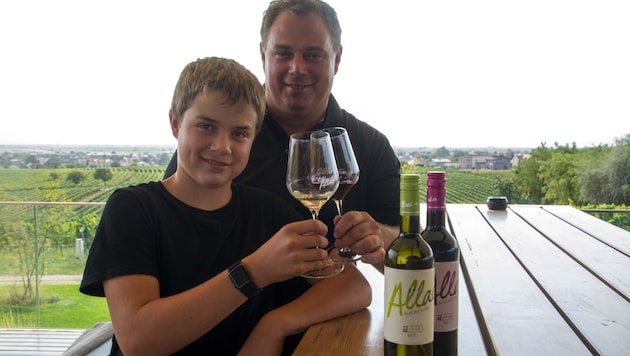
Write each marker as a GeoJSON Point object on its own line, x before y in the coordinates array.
{"type": "Point", "coordinates": [240, 276]}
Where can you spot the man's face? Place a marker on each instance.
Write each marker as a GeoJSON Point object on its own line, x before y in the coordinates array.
{"type": "Point", "coordinates": [300, 63]}
{"type": "Point", "coordinates": [213, 140]}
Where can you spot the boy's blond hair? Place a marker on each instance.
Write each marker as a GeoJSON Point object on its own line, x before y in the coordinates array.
{"type": "Point", "coordinates": [238, 85]}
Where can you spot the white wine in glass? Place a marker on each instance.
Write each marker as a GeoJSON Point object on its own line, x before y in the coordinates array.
{"type": "Point", "coordinates": [312, 178]}
{"type": "Point", "coordinates": [348, 176]}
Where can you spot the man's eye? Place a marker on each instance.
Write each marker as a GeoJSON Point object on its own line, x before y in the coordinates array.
{"type": "Point", "coordinates": [314, 56]}
{"type": "Point", "coordinates": [282, 54]}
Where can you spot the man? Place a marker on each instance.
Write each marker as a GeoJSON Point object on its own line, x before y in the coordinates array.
{"type": "Point", "coordinates": [301, 50]}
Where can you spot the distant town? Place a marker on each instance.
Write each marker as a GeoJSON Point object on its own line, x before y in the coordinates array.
{"type": "Point", "coordinates": [58, 156]}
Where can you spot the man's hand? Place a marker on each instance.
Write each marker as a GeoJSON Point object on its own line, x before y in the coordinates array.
{"type": "Point", "coordinates": [364, 236]}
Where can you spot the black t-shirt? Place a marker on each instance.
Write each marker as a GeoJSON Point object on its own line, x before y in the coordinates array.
{"type": "Point", "coordinates": [145, 230]}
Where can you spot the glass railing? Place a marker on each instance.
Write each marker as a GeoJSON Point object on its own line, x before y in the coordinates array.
{"type": "Point", "coordinates": [43, 249]}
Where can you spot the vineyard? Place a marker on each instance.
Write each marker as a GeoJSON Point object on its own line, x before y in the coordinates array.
{"type": "Point", "coordinates": [63, 223]}
{"type": "Point", "coordinates": [50, 185]}
{"type": "Point", "coordinates": [44, 184]}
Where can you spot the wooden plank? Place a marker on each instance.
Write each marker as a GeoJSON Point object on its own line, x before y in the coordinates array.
{"type": "Point", "coordinates": [598, 257]}
{"type": "Point", "coordinates": [610, 234]}
{"type": "Point", "coordinates": [600, 315]}
{"type": "Point", "coordinates": [516, 317]}
{"type": "Point", "coordinates": [358, 333]}
{"type": "Point", "coordinates": [469, 339]}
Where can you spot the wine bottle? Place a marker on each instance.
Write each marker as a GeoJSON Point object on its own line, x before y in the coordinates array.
{"type": "Point", "coordinates": [446, 253]}
{"type": "Point", "coordinates": [409, 280]}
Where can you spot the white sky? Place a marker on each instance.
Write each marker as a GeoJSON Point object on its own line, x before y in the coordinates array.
{"type": "Point", "coordinates": [427, 74]}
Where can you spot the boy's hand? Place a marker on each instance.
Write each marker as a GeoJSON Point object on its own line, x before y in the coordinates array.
{"type": "Point", "coordinates": [293, 250]}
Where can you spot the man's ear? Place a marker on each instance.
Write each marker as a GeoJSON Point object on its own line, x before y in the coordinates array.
{"type": "Point", "coordinates": [338, 58]}
{"type": "Point", "coordinates": [262, 54]}
{"type": "Point", "coordinates": [174, 122]}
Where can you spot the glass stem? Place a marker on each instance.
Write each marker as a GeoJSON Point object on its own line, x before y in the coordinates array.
{"type": "Point", "coordinates": [339, 204]}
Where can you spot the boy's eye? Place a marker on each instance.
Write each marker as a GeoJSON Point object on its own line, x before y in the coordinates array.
{"type": "Point", "coordinates": [206, 126]}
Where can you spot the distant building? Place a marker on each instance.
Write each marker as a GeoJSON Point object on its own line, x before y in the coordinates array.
{"type": "Point", "coordinates": [440, 162]}
{"type": "Point", "coordinates": [484, 162]}
{"type": "Point", "coordinates": [499, 163]}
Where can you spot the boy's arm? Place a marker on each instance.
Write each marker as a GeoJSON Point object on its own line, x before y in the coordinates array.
{"type": "Point", "coordinates": [327, 299]}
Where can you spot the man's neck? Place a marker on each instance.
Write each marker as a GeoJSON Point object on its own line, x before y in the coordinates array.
{"type": "Point", "coordinates": [296, 123]}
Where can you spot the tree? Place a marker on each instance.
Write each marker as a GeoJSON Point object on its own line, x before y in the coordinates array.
{"type": "Point", "coordinates": [527, 175]}
{"type": "Point", "coordinates": [559, 178]}
{"type": "Point", "coordinates": [505, 187]}
{"type": "Point", "coordinates": [609, 182]}
{"type": "Point", "coordinates": [103, 174]}
{"type": "Point", "coordinates": [31, 161]}
{"type": "Point", "coordinates": [441, 152]}
{"type": "Point", "coordinates": [75, 177]}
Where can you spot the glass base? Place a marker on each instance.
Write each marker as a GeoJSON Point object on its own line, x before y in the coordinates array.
{"type": "Point", "coordinates": [344, 256]}
{"type": "Point", "coordinates": [326, 272]}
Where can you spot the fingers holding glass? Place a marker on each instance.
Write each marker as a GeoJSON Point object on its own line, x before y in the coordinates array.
{"type": "Point", "coordinates": [348, 169]}
{"type": "Point", "coordinates": [312, 178]}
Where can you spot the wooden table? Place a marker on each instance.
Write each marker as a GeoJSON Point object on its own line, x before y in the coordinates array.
{"type": "Point", "coordinates": [535, 280]}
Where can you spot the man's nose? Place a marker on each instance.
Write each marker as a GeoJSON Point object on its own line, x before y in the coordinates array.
{"type": "Point", "coordinates": [297, 65]}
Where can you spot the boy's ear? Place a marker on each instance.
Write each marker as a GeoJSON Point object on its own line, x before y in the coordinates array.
{"type": "Point", "coordinates": [174, 122]}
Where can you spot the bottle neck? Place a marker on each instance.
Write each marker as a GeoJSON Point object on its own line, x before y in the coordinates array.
{"type": "Point", "coordinates": [410, 213]}
{"type": "Point", "coordinates": [410, 224]}
{"type": "Point", "coordinates": [436, 207]}
{"type": "Point", "coordinates": [436, 219]}
{"type": "Point", "coordinates": [409, 204]}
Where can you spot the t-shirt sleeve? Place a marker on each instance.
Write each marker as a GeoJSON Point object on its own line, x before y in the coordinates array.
{"type": "Point", "coordinates": [383, 201]}
{"type": "Point", "coordinates": [125, 242]}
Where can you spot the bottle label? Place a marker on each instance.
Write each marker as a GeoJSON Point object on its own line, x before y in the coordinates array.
{"type": "Point", "coordinates": [409, 306]}
{"type": "Point", "coordinates": [446, 295]}
{"type": "Point", "coordinates": [436, 198]}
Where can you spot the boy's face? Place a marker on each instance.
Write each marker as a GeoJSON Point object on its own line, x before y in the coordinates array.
{"type": "Point", "coordinates": [213, 140]}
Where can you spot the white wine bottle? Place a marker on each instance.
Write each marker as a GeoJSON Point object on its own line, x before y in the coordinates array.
{"type": "Point", "coordinates": [446, 253]}
{"type": "Point", "coordinates": [409, 281]}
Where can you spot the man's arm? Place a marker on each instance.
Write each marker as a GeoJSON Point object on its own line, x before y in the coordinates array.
{"type": "Point", "coordinates": [350, 293]}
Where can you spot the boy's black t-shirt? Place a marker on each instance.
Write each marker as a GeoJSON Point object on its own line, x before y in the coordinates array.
{"type": "Point", "coordinates": [145, 230]}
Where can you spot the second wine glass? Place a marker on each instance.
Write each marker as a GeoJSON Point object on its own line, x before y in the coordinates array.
{"type": "Point", "coordinates": [312, 178]}
{"type": "Point", "coordinates": [348, 168]}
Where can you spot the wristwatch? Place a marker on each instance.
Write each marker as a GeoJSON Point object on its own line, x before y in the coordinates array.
{"type": "Point", "coordinates": [241, 280]}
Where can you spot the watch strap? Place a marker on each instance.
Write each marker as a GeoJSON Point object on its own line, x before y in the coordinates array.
{"type": "Point", "coordinates": [242, 281]}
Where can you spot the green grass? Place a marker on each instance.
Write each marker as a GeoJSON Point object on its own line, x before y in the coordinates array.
{"type": "Point", "coordinates": [61, 306]}
{"type": "Point", "coordinates": [56, 261]}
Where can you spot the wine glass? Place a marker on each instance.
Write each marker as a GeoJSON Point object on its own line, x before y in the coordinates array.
{"type": "Point", "coordinates": [348, 176]}
{"type": "Point", "coordinates": [312, 178]}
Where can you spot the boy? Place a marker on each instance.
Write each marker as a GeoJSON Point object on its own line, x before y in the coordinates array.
{"type": "Point", "coordinates": [189, 265]}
